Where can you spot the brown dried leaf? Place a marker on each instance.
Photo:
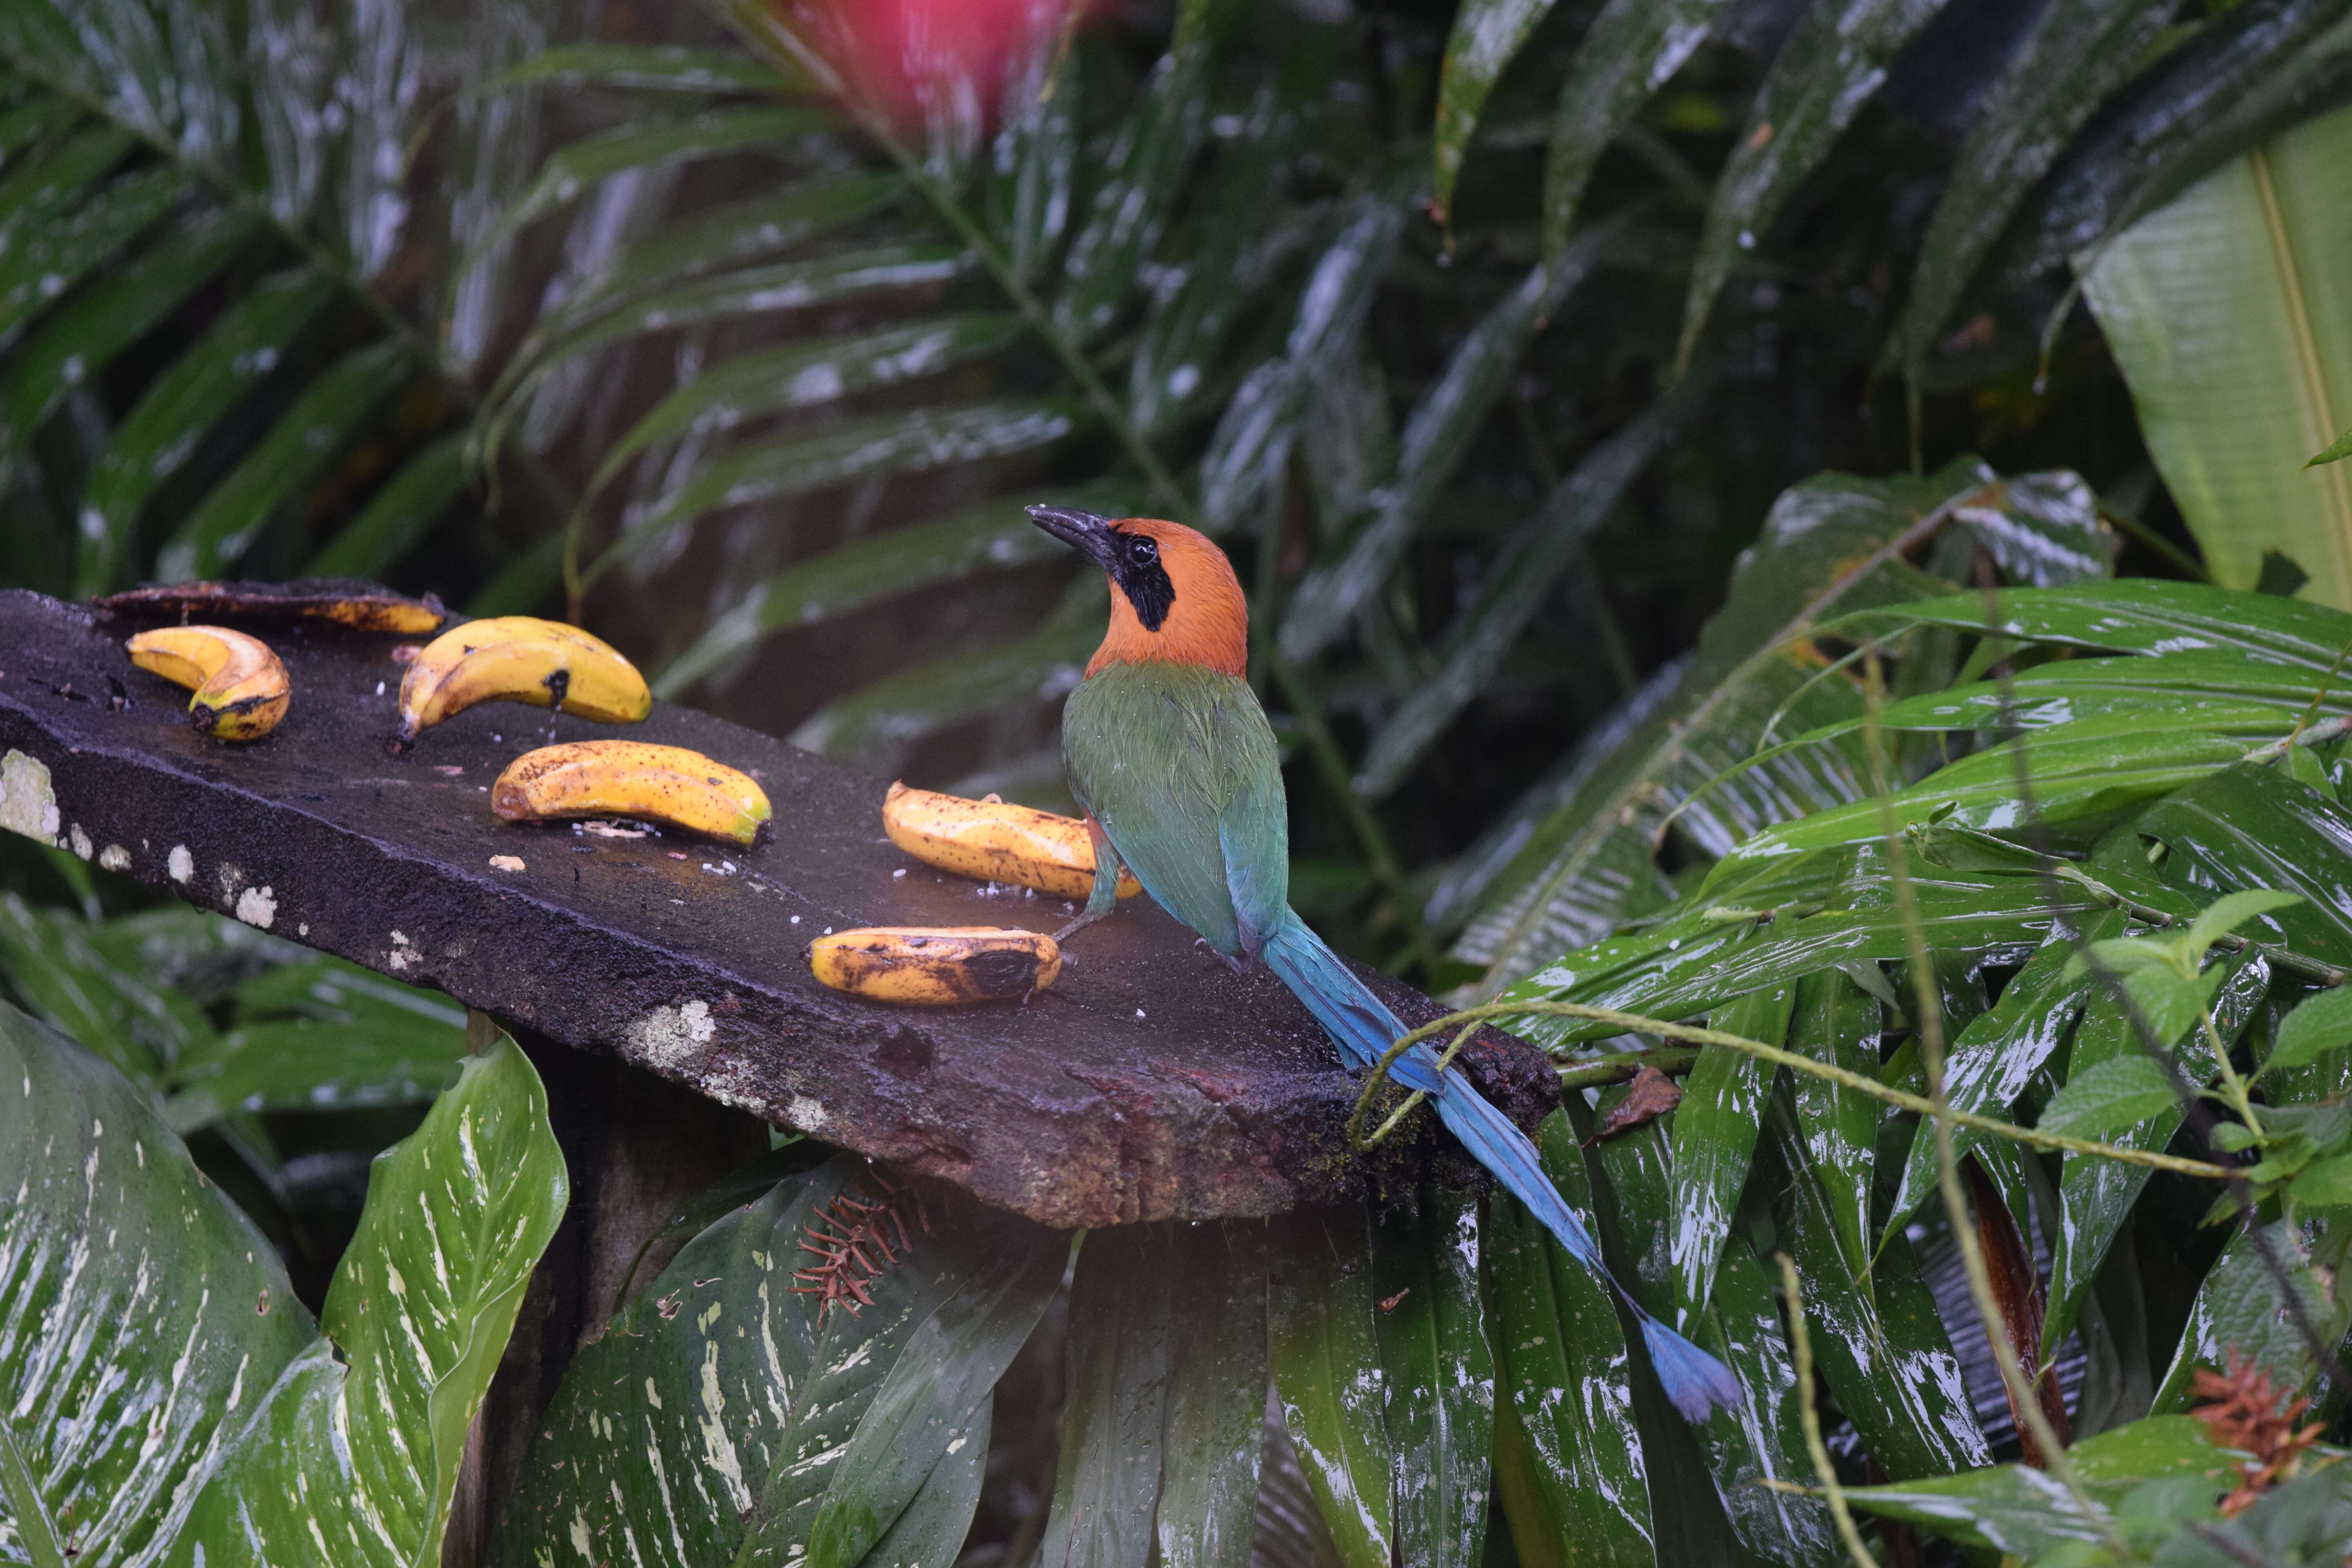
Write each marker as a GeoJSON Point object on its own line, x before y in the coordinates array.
{"type": "Point", "coordinates": [1650, 1096]}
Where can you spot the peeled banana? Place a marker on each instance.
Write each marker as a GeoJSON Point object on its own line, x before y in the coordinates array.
{"type": "Point", "coordinates": [633, 778]}
{"type": "Point", "coordinates": [241, 689]}
{"type": "Point", "coordinates": [937, 966]}
{"type": "Point", "coordinates": [995, 841]}
{"type": "Point", "coordinates": [520, 658]}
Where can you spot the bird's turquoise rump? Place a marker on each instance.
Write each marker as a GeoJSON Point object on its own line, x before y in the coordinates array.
{"type": "Point", "coordinates": [1169, 753]}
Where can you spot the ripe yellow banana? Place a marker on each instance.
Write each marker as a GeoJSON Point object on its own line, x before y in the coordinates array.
{"type": "Point", "coordinates": [937, 966]}
{"type": "Point", "coordinates": [995, 841]}
{"type": "Point", "coordinates": [633, 778]}
{"type": "Point", "coordinates": [520, 658]}
{"type": "Point", "coordinates": [241, 689]}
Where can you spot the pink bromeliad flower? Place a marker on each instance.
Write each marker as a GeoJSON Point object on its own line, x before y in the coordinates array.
{"type": "Point", "coordinates": [932, 64]}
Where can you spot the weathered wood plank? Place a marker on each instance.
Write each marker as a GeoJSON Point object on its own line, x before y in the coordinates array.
{"type": "Point", "coordinates": [1150, 1083]}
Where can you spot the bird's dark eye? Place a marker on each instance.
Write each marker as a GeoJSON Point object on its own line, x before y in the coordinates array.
{"type": "Point", "coordinates": [1143, 551]}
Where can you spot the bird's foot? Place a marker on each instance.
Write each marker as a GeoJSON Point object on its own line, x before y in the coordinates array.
{"type": "Point", "coordinates": [1079, 924]}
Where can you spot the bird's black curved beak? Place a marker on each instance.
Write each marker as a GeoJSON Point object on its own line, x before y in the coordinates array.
{"type": "Point", "coordinates": [1082, 529]}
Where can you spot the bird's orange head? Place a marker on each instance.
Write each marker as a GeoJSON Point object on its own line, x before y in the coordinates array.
{"type": "Point", "coordinates": [1173, 595]}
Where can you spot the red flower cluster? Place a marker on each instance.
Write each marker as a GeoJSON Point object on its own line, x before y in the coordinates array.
{"type": "Point", "coordinates": [855, 1239]}
{"type": "Point", "coordinates": [2243, 1408]}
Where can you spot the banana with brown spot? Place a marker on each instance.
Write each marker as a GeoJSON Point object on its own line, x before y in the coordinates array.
{"type": "Point", "coordinates": [634, 778]}
{"type": "Point", "coordinates": [520, 658]}
{"type": "Point", "coordinates": [995, 841]}
{"type": "Point", "coordinates": [937, 966]}
{"type": "Point", "coordinates": [241, 686]}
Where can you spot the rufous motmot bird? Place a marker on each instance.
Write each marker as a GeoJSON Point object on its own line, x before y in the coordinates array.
{"type": "Point", "coordinates": [1170, 756]}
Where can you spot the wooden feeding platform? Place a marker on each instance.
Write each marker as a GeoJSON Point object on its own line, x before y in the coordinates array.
{"type": "Point", "coordinates": [1149, 1083]}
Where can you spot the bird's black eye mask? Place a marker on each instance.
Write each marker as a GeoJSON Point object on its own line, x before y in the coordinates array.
{"type": "Point", "coordinates": [1135, 566]}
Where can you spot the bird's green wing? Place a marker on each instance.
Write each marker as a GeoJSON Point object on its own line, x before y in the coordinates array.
{"type": "Point", "coordinates": [1179, 767]}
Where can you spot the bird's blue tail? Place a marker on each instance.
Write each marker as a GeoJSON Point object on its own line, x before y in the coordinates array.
{"type": "Point", "coordinates": [1364, 1028]}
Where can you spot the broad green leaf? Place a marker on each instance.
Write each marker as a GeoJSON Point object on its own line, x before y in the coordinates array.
{"type": "Point", "coordinates": [206, 955]}
{"type": "Point", "coordinates": [2233, 329]}
{"type": "Point", "coordinates": [398, 516]}
{"type": "Point", "coordinates": [1437, 436]}
{"type": "Point", "coordinates": [1214, 1436]}
{"type": "Point", "coordinates": [939, 1385]}
{"type": "Point", "coordinates": [913, 442]}
{"type": "Point", "coordinates": [1832, 65]}
{"type": "Point", "coordinates": [209, 1420]}
{"type": "Point", "coordinates": [2227, 913]}
{"type": "Point", "coordinates": [1575, 1488]}
{"type": "Point", "coordinates": [1691, 965]}
{"type": "Point", "coordinates": [2241, 1308]}
{"type": "Point", "coordinates": [1877, 1338]}
{"type": "Point", "coordinates": [1763, 1436]}
{"type": "Point", "coordinates": [1763, 1440]}
{"type": "Point", "coordinates": [992, 537]}
{"type": "Point", "coordinates": [1631, 50]}
{"type": "Point", "coordinates": [1565, 883]}
{"type": "Point", "coordinates": [1122, 1343]}
{"type": "Point", "coordinates": [1322, 1348]}
{"type": "Point", "coordinates": [2081, 773]}
{"type": "Point", "coordinates": [662, 67]}
{"type": "Point", "coordinates": [2108, 1098]}
{"type": "Point", "coordinates": [2319, 1023]}
{"type": "Point", "coordinates": [1837, 1022]}
{"type": "Point", "coordinates": [2026, 1512]}
{"type": "Point", "coordinates": [803, 374]}
{"type": "Point", "coordinates": [41, 265]}
{"type": "Point", "coordinates": [2323, 1183]}
{"type": "Point", "coordinates": [353, 1038]}
{"type": "Point", "coordinates": [353, 1455]}
{"type": "Point", "coordinates": [305, 440]}
{"type": "Point", "coordinates": [2077, 55]}
{"type": "Point", "coordinates": [83, 336]}
{"type": "Point", "coordinates": [875, 728]}
{"type": "Point", "coordinates": [1989, 1064]}
{"type": "Point", "coordinates": [2255, 827]}
{"type": "Point", "coordinates": [741, 1396]}
{"type": "Point", "coordinates": [1486, 34]}
{"type": "Point", "coordinates": [2139, 614]}
{"type": "Point", "coordinates": [2210, 690]}
{"type": "Point", "coordinates": [1532, 560]}
{"type": "Point", "coordinates": [123, 1377]}
{"type": "Point", "coordinates": [1716, 1129]}
{"type": "Point", "coordinates": [2095, 1196]}
{"type": "Point", "coordinates": [570, 170]}
{"type": "Point", "coordinates": [110, 1008]}
{"type": "Point", "coordinates": [1142, 172]}
{"type": "Point", "coordinates": [932, 1529]}
{"type": "Point", "coordinates": [1437, 1375]}
{"type": "Point", "coordinates": [2335, 451]}
{"type": "Point", "coordinates": [159, 436]}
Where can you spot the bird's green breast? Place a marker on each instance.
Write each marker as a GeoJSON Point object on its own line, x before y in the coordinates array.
{"type": "Point", "coordinates": [1180, 766]}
